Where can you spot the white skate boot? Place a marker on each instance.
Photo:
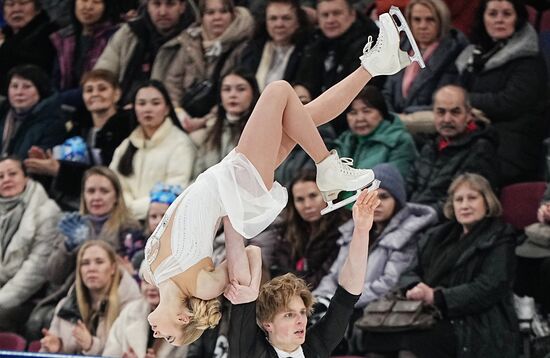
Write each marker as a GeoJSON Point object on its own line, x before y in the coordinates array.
{"type": "Point", "coordinates": [335, 175]}
{"type": "Point", "coordinates": [386, 58]}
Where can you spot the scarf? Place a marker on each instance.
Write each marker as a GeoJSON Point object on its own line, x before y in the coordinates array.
{"type": "Point", "coordinates": [272, 63]}
{"type": "Point", "coordinates": [414, 69]}
{"type": "Point", "coordinates": [444, 143]}
{"type": "Point", "coordinates": [444, 253]}
{"type": "Point", "coordinates": [11, 213]}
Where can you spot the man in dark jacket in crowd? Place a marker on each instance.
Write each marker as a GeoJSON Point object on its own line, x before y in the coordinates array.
{"type": "Point", "coordinates": [26, 40]}
{"type": "Point", "coordinates": [144, 48]}
{"type": "Point", "coordinates": [333, 54]}
{"type": "Point", "coordinates": [461, 144]}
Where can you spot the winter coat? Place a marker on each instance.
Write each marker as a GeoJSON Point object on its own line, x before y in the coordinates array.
{"type": "Point", "coordinates": [478, 298]}
{"type": "Point", "coordinates": [251, 57]}
{"type": "Point", "coordinates": [44, 127]}
{"type": "Point", "coordinates": [65, 43]}
{"type": "Point", "coordinates": [118, 53]}
{"type": "Point", "coordinates": [31, 45]}
{"type": "Point", "coordinates": [440, 70]}
{"type": "Point", "coordinates": [190, 65]}
{"type": "Point", "coordinates": [167, 157]}
{"type": "Point", "coordinates": [434, 169]}
{"type": "Point", "coordinates": [131, 331]}
{"type": "Point", "coordinates": [389, 256]}
{"type": "Point", "coordinates": [67, 314]}
{"type": "Point", "coordinates": [22, 259]}
{"type": "Point", "coordinates": [511, 91]}
{"type": "Point", "coordinates": [390, 142]}
{"type": "Point", "coordinates": [347, 48]}
{"type": "Point", "coordinates": [67, 184]}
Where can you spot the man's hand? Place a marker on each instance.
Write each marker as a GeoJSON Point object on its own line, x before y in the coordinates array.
{"type": "Point", "coordinates": [129, 354]}
{"type": "Point", "coordinates": [239, 294]}
{"type": "Point", "coordinates": [82, 336]}
{"type": "Point", "coordinates": [150, 353]}
{"type": "Point", "coordinates": [51, 343]}
{"type": "Point", "coordinates": [363, 210]}
{"type": "Point", "coordinates": [421, 292]}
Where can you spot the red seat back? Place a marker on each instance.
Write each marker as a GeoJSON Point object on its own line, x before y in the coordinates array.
{"type": "Point", "coordinates": [34, 346]}
{"type": "Point", "coordinates": [12, 342]}
{"type": "Point", "coordinates": [520, 203]}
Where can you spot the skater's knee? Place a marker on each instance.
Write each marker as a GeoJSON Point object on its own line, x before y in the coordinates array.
{"type": "Point", "coordinates": [278, 87]}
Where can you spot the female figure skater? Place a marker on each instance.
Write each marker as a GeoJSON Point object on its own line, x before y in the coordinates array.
{"type": "Point", "coordinates": [240, 192]}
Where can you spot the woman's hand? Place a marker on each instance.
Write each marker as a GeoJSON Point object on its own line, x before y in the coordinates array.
{"type": "Point", "coordinates": [193, 124]}
{"type": "Point", "coordinates": [239, 294]}
{"type": "Point", "coordinates": [421, 292]}
{"type": "Point", "coordinates": [40, 162]}
{"type": "Point", "coordinates": [82, 336]}
{"type": "Point", "coordinates": [150, 353]}
{"type": "Point", "coordinates": [129, 354]}
{"type": "Point", "coordinates": [363, 210]}
{"type": "Point", "coordinates": [50, 343]}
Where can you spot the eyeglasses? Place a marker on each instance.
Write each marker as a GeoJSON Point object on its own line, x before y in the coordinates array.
{"type": "Point", "coordinates": [12, 3]}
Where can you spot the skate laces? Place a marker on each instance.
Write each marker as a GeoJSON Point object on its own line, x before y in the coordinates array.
{"type": "Point", "coordinates": [346, 165]}
{"type": "Point", "coordinates": [367, 47]}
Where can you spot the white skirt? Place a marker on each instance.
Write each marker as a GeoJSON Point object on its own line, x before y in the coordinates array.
{"type": "Point", "coordinates": [244, 197]}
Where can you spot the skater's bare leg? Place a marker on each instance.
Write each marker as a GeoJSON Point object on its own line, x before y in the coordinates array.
{"type": "Point", "coordinates": [329, 105]}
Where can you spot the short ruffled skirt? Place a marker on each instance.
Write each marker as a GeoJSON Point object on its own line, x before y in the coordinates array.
{"type": "Point", "coordinates": [250, 206]}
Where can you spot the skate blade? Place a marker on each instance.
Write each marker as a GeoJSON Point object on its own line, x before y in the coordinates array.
{"type": "Point", "coordinates": [375, 184]}
{"type": "Point", "coordinates": [403, 26]}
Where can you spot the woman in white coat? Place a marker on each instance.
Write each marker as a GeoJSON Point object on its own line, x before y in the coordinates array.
{"type": "Point", "coordinates": [28, 219]}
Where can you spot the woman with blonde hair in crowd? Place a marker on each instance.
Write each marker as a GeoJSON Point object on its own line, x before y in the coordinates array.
{"type": "Point", "coordinates": [83, 319]}
{"type": "Point", "coordinates": [158, 150]}
{"type": "Point", "coordinates": [103, 216]}
{"type": "Point", "coordinates": [411, 90]}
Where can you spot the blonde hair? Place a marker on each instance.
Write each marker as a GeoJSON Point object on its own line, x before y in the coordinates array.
{"type": "Point", "coordinates": [481, 185]}
{"type": "Point", "coordinates": [120, 213]}
{"type": "Point", "coordinates": [83, 298]}
{"type": "Point", "coordinates": [439, 9]}
{"type": "Point", "coordinates": [275, 296]}
{"type": "Point", "coordinates": [205, 314]}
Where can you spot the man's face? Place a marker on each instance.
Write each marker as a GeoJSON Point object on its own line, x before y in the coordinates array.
{"type": "Point", "coordinates": [450, 113]}
{"type": "Point", "coordinates": [165, 14]}
{"type": "Point", "coordinates": [18, 13]}
{"type": "Point", "coordinates": [335, 17]}
{"type": "Point", "coordinates": [287, 331]}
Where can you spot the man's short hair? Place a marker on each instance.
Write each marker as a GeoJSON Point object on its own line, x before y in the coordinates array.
{"type": "Point", "coordinates": [275, 296]}
{"type": "Point", "coordinates": [348, 2]}
{"type": "Point", "coordinates": [465, 94]}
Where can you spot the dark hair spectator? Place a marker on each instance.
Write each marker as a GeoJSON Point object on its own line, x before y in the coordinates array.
{"type": "Point", "coordinates": [92, 139]}
{"type": "Point", "coordinates": [411, 89]}
{"type": "Point", "coordinates": [238, 94]}
{"type": "Point", "coordinates": [27, 236]}
{"type": "Point", "coordinates": [302, 241]}
{"type": "Point", "coordinates": [101, 290]}
{"type": "Point", "coordinates": [375, 135]}
{"type": "Point", "coordinates": [25, 38]}
{"type": "Point", "coordinates": [158, 146]}
{"type": "Point", "coordinates": [80, 44]}
{"type": "Point", "coordinates": [464, 269]}
{"type": "Point", "coordinates": [275, 51]}
{"type": "Point", "coordinates": [212, 45]}
{"type": "Point", "coordinates": [32, 114]}
{"type": "Point", "coordinates": [145, 47]}
{"type": "Point", "coordinates": [461, 144]}
{"type": "Point", "coordinates": [505, 74]}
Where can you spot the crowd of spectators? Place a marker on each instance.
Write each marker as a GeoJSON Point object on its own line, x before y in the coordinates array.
{"type": "Point", "coordinates": [110, 108]}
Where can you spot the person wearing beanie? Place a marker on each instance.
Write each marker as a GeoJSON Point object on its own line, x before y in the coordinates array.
{"type": "Point", "coordinates": [375, 135]}
{"type": "Point", "coordinates": [31, 115]}
{"type": "Point", "coordinates": [393, 239]}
